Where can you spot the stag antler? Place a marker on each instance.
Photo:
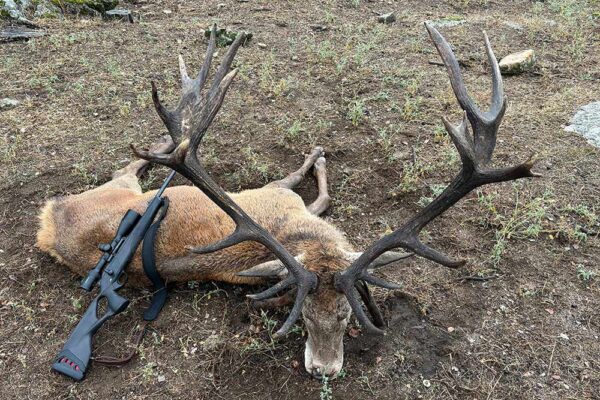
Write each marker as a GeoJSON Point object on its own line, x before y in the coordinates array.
{"type": "Point", "coordinates": [475, 153]}
{"type": "Point", "coordinates": [187, 124]}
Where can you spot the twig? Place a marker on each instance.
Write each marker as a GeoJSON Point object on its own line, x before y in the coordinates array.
{"type": "Point", "coordinates": [441, 64]}
{"type": "Point", "coordinates": [551, 358]}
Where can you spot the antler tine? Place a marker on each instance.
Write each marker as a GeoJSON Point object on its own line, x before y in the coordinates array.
{"type": "Point", "coordinates": [171, 119]}
{"type": "Point", "coordinates": [228, 59]}
{"type": "Point", "coordinates": [475, 154]}
{"type": "Point", "coordinates": [189, 85]}
{"type": "Point", "coordinates": [498, 105]}
{"type": "Point", "coordinates": [200, 122]}
{"type": "Point", "coordinates": [273, 290]}
{"type": "Point", "coordinates": [360, 314]}
{"type": "Point", "coordinates": [451, 63]}
{"type": "Point", "coordinates": [485, 124]}
{"type": "Point", "coordinates": [303, 291]}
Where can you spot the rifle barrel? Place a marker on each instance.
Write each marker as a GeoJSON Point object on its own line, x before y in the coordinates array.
{"type": "Point", "coordinates": [165, 184]}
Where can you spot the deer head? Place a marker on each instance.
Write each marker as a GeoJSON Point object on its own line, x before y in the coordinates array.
{"type": "Point", "coordinates": [329, 284]}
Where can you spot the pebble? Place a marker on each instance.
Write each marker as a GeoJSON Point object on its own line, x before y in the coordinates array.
{"type": "Point", "coordinates": [261, 45]}
{"type": "Point", "coordinates": [517, 63]}
{"type": "Point", "coordinates": [387, 18]}
{"type": "Point", "coordinates": [7, 103]}
{"type": "Point", "coordinates": [120, 13]}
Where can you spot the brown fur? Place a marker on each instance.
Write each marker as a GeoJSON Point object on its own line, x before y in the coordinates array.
{"type": "Point", "coordinates": [72, 227]}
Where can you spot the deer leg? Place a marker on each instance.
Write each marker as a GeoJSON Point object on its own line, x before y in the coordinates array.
{"type": "Point", "coordinates": [293, 179]}
{"type": "Point", "coordinates": [138, 167]}
{"type": "Point", "coordinates": [322, 202]}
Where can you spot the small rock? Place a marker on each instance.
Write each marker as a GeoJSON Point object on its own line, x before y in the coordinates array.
{"type": "Point", "coordinates": [12, 33]}
{"type": "Point", "coordinates": [261, 45]}
{"type": "Point", "coordinates": [7, 103]}
{"type": "Point", "coordinates": [119, 13]}
{"type": "Point", "coordinates": [161, 378]}
{"type": "Point", "coordinates": [450, 329]}
{"type": "Point", "coordinates": [387, 18]}
{"type": "Point", "coordinates": [47, 10]}
{"type": "Point", "coordinates": [426, 383]}
{"type": "Point", "coordinates": [167, 11]}
{"type": "Point", "coordinates": [319, 28]}
{"type": "Point", "coordinates": [516, 63]}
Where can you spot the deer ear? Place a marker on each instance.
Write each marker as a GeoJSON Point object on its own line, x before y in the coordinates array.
{"type": "Point", "coordinates": [386, 258]}
{"type": "Point", "coordinates": [267, 269]}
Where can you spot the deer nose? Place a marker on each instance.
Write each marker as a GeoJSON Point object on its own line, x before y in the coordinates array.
{"type": "Point", "coordinates": [318, 371]}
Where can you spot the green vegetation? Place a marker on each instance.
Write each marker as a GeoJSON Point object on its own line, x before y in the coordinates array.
{"type": "Point", "coordinates": [326, 393]}
{"type": "Point", "coordinates": [585, 274]}
{"type": "Point", "coordinates": [356, 111]}
{"type": "Point", "coordinates": [412, 172]}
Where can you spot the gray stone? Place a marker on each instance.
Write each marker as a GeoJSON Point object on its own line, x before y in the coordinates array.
{"type": "Point", "coordinates": [12, 33]}
{"type": "Point", "coordinates": [387, 18]}
{"type": "Point", "coordinates": [18, 11]}
{"type": "Point", "coordinates": [22, 11]}
{"type": "Point", "coordinates": [7, 103]}
{"type": "Point", "coordinates": [46, 10]}
{"type": "Point", "coordinates": [120, 13]}
{"type": "Point", "coordinates": [586, 122]}
{"type": "Point", "coordinates": [516, 63]}
{"type": "Point", "coordinates": [12, 10]}
{"type": "Point", "coordinates": [447, 22]}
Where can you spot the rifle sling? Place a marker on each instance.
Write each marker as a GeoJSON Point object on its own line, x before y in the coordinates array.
{"type": "Point", "coordinates": [135, 340]}
{"type": "Point", "coordinates": [159, 296]}
{"type": "Point", "coordinates": [149, 262]}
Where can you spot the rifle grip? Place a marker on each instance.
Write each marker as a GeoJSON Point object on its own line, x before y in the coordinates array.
{"type": "Point", "coordinates": [116, 303]}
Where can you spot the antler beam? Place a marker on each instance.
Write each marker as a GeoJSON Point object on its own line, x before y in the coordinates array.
{"type": "Point", "coordinates": [187, 124]}
{"type": "Point", "coordinates": [475, 152]}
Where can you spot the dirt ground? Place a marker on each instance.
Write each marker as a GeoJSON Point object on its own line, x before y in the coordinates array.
{"type": "Point", "coordinates": [519, 321]}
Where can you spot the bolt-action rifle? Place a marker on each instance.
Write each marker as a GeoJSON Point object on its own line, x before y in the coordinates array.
{"type": "Point", "coordinates": [74, 358]}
